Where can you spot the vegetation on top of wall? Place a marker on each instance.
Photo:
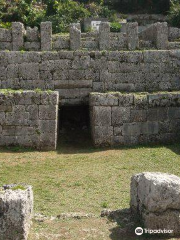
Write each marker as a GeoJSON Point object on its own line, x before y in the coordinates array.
{"type": "Point", "coordinates": [115, 27]}
{"type": "Point", "coordinates": [64, 12]}
{"type": "Point", "coordinates": [25, 11]}
{"type": "Point", "coordinates": [60, 12]}
{"type": "Point", "coordinates": [174, 13]}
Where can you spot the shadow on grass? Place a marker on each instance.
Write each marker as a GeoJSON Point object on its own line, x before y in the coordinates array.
{"type": "Point", "coordinates": [16, 149]}
{"type": "Point", "coordinates": [126, 225]}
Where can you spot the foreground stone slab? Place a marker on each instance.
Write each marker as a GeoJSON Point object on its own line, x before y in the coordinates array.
{"type": "Point", "coordinates": [16, 209]}
{"type": "Point", "coordinates": [155, 197]}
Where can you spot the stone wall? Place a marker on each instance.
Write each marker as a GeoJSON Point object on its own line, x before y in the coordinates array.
{"type": "Point", "coordinates": [28, 118]}
{"type": "Point", "coordinates": [131, 37]}
{"type": "Point", "coordinates": [5, 39]}
{"type": "Point", "coordinates": [128, 119]}
{"type": "Point", "coordinates": [76, 74]}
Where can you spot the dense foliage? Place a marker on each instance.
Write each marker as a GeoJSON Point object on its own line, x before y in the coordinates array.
{"type": "Point", "coordinates": [142, 6]}
{"type": "Point", "coordinates": [115, 27]}
{"type": "Point", "coordinates": [64, 12]}
{"type": "Point", "coordinates": [174, 13]}
{"type": "Point", "coordinates": [60, 12]}
{"type": "Point", "coordinates": [25, 11]}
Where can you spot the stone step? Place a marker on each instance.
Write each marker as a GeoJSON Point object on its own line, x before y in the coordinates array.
{"type": "Point", "coordinates": [89, 44]}
{"type": "Point", "coordinates": [174, 45]}
{"type": "Point", "coordinates": [88, 39]}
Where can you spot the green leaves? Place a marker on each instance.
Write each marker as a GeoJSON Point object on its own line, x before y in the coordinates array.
{"type": "Point", "coordinates": [115, 27]}
{"type": "Point", "coordinates": [25, 11]}
{"type": "Point", "coordinates": [174, 13]}
{"type": "Point", "coordinates": [60, 12]}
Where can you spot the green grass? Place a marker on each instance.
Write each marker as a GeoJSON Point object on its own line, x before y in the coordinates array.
{"type": "Point", "coordinates": [82, 179]}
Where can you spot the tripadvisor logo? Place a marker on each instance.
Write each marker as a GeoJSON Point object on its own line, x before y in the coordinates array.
{"type": "Point", "coordinates": [138, 231]}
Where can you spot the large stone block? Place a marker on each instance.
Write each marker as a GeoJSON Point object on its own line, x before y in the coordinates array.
{"type": "Point", "coordinates": [155, 197]}
{"type": "Point", "coordinates": [104, 31]}
{"type": "Point", "coordinates": [46, 36]}
{"type": "Point", "coordinates": [48, 112]}
{"type": "Point", "coordinates": [162, 35]}
{"type": "Point", "coordinates": [132, 36]}
{"type": "Point", "coordinates": [16, 209]}
{"type": "Point", "coordinates": [32, 34]}
{"type": "Point", "coordinates": [125, 99]}
{"type": "Point", "coordinates": [5, 35]}
{"type": "Point", "coordinates": [138, 128]}
{"type": "Point", "coordinates": [102, 135]}
{"type": "Point", "coordinates": [29, 71]}
{"type": "Point", "coordinates": [17, 36]}
{"type": "Point", "coordinates": [75, 38]}
{"type": "Point", "coordinates": [158, 34]}
{"type": "Point", "coordinates": [32, 46]}
{"type": "Point", "coordinates": [138, 115]}
{"type": "Point", "coordinates": [98, 99]}
{"type": "Point", "coordinates": [120, 115]}
{"type": "Point", "coordinates": [101, 116]}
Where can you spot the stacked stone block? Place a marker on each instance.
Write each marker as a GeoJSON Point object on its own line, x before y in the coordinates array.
{"type": "Point", "coordinates": [75, 37]}
{"type": "Point", "coordinates": [17, 36]}
{"type": "Point", "coordinates": [5, 39]}
{"type": "Point", "coordinates": [46, 36]}
{"type": "Point", "coordinates": [90, 41]}
{"type": "Point", "coordinates": [32, 42]}
{"type": "Point", "coordinates": [76, 74]}
{"type": "Point", "coordinates": [104, 32]}
{"type": "Point", "coordinates": [29, 119]}
{"type": "Point", "coordinates": [132, 36]}
{"type": "Point", "coordinates": [16, 209]}
{"type": "Point", "coordinates": [155, 198]}
{"type": "Point", "coordinates": [118, 41]}
{"type": "Point", "coordinates": [128, 119]}
{"type": "Point", "coordinates": [158, 34]}
{"type": "Point", "coordinates": [60, 42]}
{"type": "Point", "coordinates": [173, 33]}
{"type": "Point", "coordinates": [155, 36]}
{"type": "Point", "coordinates": [161, 35]}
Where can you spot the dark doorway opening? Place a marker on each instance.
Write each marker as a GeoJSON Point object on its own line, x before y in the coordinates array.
{"type": "Point", "coordinates": [74, 126]}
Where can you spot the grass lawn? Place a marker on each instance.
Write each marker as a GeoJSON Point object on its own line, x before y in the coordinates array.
{"type": "Point", "coordinates": [81, 178]}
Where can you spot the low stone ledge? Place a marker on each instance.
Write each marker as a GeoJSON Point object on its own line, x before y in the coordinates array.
{"type": "Point", "coordinates": [16, 209]}
{"type": "Point", "coordinates": [155, 198]}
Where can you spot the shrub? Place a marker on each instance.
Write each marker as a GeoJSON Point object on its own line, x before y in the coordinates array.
{"type": "Point", "coordinates": [100, 10]}
{"type": "Point", "coordinates": [24, 11]}
{"type": "Point", "coordinates": [174, 13]}
{"type": "Point", "coordinates": [115, 27]}
{"type": "Point", "coordinates": [6, 25]}
{"type": "Point", "coordinates": [67, 12]}
{"type": "Point", "coordinates": [60, 12]}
